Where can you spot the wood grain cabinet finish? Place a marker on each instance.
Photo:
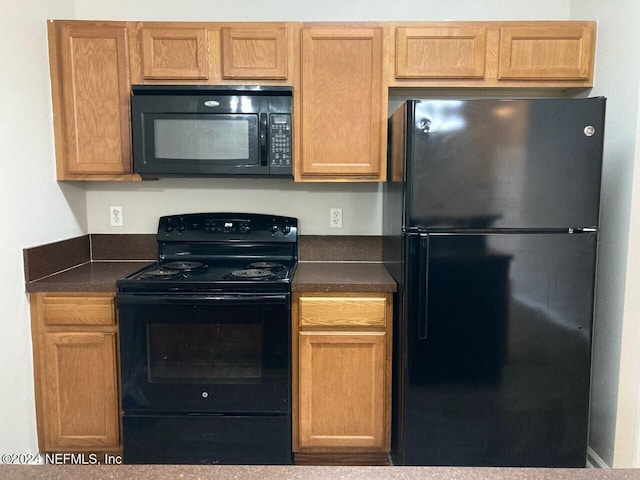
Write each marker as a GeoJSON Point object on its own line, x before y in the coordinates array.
{"type": "Point", "coordinates": [440, 52]}
{"type": "Point", "coordinates": [536, 54]}
{"type": "Point", "coordinates": [341, 389]}
{"type": "Point", "coordinates": [170, 53]}
{"type": "Point", "coordinates": [90, 93]}
{"type": "Point", "coordinates": [254, 53]}
{"type": "Point", "coordinates": [547, 52]}
{"type": "Point", "coordinates": [341, 377]}
{"type": "Point", "coordinates": [80, 390]}
{"type": "Point", "coordinates": [75, 369]}
{"type": "Point", "coordinates": [343, 104]}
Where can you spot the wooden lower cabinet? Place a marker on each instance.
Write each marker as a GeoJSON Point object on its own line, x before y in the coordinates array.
{"type": "Point", "coordinates": [76, 375]}
{"type": "Point", "coordinates": [342, 378]}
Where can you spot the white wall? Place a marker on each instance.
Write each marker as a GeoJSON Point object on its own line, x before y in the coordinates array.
{"type": "Point", "coordinates": [35, 209]}
{"type": "Point", "coordinates": [614, 411]}
{"type": "Point", "coordinates": [340, 10]}
{"type": "Point", "coordinates": [143, 203]}
{"type": "Point", "coordinates": [361, 203]}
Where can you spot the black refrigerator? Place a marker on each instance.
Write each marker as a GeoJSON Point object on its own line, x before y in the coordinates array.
{"type": "Point", "coordinates": [490, 228]}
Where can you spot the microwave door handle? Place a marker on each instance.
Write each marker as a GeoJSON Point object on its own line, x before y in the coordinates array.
{"type": "Point", "coordinates": [264, 151]}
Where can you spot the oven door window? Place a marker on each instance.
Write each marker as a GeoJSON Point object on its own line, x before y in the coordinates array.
{"type": "Point", "coordinates": [214, 353]}
{"type": "Point", "coordinates": [205, 356]}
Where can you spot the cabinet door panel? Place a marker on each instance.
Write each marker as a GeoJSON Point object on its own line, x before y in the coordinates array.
{"type": "Point", "coordinates": [254, 53]}
{"type": "Point", "coordinates": [340, 311]}
{"type": "Point", "coordinates": [342, 101]}
{"type": "Point", "coordinates": [80, 392]}
{"type": "Point", "coordinates": [440, 52]}
{"type": "Point", "coordinates": [175, 53]}
{"type": "Point", "coordinates": [75, 310]}
{"type": "Point", "coordinates": [341, 389]}
{"type": "Point", "coordinates": [546, 53]}
{"type": "Point", "coordinates": [95, 91]}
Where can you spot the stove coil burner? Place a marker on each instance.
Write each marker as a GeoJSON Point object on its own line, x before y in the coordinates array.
{"type": "Point", "coordinates": [171, 270]}
{"type": "Point", "coordinates": [160, 274]}
{"type": "Point", "coordinates": [252, 274]}
{"type": "Point", "coordinates": [274, 267]}
{"type": "Point", "coordinates": [185, 266]}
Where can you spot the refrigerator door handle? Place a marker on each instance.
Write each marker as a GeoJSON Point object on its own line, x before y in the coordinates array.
{"type": "Point", "coordinates": [423, 285]}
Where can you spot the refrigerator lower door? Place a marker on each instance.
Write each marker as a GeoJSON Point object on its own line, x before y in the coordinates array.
{"type": "Point", "coordinates": [497, 349]}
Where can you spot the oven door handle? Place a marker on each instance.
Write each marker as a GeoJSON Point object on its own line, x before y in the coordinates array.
{"type": "Point", "coordinates": [204, 299]}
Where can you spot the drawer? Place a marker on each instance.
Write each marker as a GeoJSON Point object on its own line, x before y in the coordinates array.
{"type": "Point", "coordinates": [71, 310]}
{"type": "Point", "coordinates": [342, 311]}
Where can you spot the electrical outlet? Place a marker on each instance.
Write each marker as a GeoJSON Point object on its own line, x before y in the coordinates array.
{"type": "Point", "coordinates": [115, 214]}
{"type": "Point", "coordinates": [335, 217]}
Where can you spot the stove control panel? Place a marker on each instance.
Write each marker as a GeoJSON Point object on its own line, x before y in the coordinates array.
{"type": "Point", "coordinates": [196, 227]}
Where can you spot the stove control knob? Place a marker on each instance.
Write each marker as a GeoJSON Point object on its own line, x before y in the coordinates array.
{"type": "Point", "coordinates": [285, 229]}
{"type": "Point", "coordinates": [169, 226]}
{"type": "Point", "coordinates": [273, 228]}
{"type": "Point", "coordinates": [181, 225]}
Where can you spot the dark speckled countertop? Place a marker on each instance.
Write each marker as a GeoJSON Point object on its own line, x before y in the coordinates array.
{"type": "Point", "coordinates": [193, 472]}
{"type": "Point", "coordinates": [313, 276]}
{"type": "Point", "coordinates": [93, 263]}
{"type": "Point", "coordinates": [342, 277]}
{"type": "Point", "coordinates": [89, 263]}
{"type": "Point", "coordinates": [90, 277]}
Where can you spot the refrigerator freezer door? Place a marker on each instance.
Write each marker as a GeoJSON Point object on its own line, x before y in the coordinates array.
{"type": "Point", "coordinates": [501, 377]}
{"type": "Point", "coordinates": [521, 164]}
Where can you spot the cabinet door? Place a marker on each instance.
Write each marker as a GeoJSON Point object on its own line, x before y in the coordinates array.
{"type": "Point", "coordinates": [561, 52]}
{"type": "Point", "coordinates": [254, 53]}
{"type": "Point", "coordinates": [94, 89]}
{"type": "Point", "coordinates": [343, 102]}
{"type": "Point", "coordinates": [341, 389]}
{"type": "Point", "coordinates": [80, 390]}
{"type": "Point", "coordinates": [174, 53]}
{"type": "Point", "coordinates": [440, 51]}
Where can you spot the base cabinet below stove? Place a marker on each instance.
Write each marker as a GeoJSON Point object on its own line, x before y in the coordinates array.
{"type": "Point", "coordinates": [341, 377]}
{"type": "Point", "coordinates": [75, 370]}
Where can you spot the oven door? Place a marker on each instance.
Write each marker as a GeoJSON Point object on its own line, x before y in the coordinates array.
{"type": "Point", "coordinates": [205, 353]}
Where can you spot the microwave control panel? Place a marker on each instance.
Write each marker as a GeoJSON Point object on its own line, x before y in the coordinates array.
{"type": "Point", "coordinates": [280, 136]}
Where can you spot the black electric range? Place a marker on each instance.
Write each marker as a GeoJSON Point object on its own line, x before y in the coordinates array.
{"type": "Point", "coordinates": [205, 342]}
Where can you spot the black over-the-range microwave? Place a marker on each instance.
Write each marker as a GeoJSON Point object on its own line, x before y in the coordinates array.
{"type": "Point", "coordinates": [198, 130]}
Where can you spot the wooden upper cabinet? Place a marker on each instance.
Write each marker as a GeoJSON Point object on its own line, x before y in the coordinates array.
{"type": "Point", "coordinates": [90, 94]}
{"type": "Point", "coordinates": [175, 53]}
{"type": "Point", "coordinates": [440, 51]}
{"type": "Point", "coordinates": [561, 52]}
{"type": "Point", "coordinates": [558, 54]}
{"type": "Point", "coordinates": [343, 104]}
{"type": "Point", "coordinates": [254, 53]}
